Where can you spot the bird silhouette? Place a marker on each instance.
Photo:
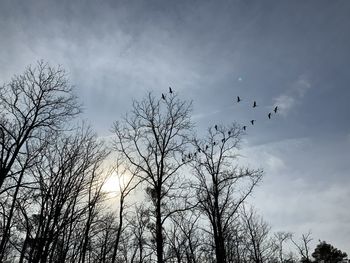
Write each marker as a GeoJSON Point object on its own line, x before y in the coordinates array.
{"type": "Point", "coordinates": [214, 143]}
{"type": "Point", "coordinates": [229, 133]}
{"type": "Point", "coordinates": [206, 147]}
{"type": "Point", "coordinates": [170, 90]}
{"type": "Point", "coordinates": [238, 99]}
{"type": "Point", "coordinates": [244, 128]}
{"type": "Point", "coordinates": [254, 104]}
{"type": "Point", "coordinates": [269, 115]}
{"type": "Point", "coordinates": [223, 140]}
{"type": "Point", "coordinates": [275, 109]}
{"type": "Point", "coordinates": [163, 96]}
{"type": "Point", "coordinates": [216, 127]}
{"type": "Point", "coordinates": [199, 150]}
{"type": "Point", "coordinates": [252, 122]}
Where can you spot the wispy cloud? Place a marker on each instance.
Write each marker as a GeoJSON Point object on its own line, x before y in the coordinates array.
{"type": "Point", "coordinates": [293, 95]}
{"type": "Point", "coordinates": [294, 195]}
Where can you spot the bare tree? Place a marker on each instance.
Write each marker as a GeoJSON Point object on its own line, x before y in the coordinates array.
{"type": "Point", "coordinates": [221, 185]}
{"type": "Point", "coordinates": [176, 240]}
{"type": "Point", "coordinates": [188, 228]}
{"type": "Point", "coordinates": [281, 238]}
{"type": "Point", "coordinates": [257, 243]}
{"type": "Point", "coordinates": [106, 227]}
{"type": "Point", "coordinates": [32, 105]}
{"type": "Point", "coordinates": [139, 223]}
{"type": "Point", "coordinates": [152, 138]}
{"type": "Point", "coordinates": [66, 197]}
{"type": "Point", "coordinates": [127, 183]}
{"type": "Point", "coordinates": [94, 198]}
{"type": "Point", "coordinates": [303, 247]}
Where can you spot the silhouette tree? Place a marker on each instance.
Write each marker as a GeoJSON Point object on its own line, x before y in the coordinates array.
{"type": "Point", "coordinates": [153, 138]}
{"type": "Point", "coordinates": [281, 238]}
{"type": "Point", "coordinates": [32, 106]}
{"type": "Point", "coordinates": [303, 247]}
{"type": "Point", "coordinates": [326, 253]}
{"type": "Point", "coordinates": [221, 186]}
{"type": "Point", "coordinates": [63, 197]}
{"type": "Point", "coordinates": [257, 243]}
{"type": "Point", "coordinates": [127, 183]}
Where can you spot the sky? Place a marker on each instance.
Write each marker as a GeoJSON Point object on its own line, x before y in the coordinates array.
{"type": "Point", "coordinates": [294, 54]}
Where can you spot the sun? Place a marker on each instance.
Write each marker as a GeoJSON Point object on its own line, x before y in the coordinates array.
{"type": "Point", "coordinates": [112, 184]}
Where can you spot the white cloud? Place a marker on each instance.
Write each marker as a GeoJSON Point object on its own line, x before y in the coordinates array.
{"type": "Point", "coordinates": [301, 85]}
{"type": "Point", "coordinates": [285, 103]}
{"type": "Point", "coordinates": [293, 95]}
{"type": "Point", "coordinates": [303, 189]}
{"type": "Point", "coordinates": [274, 163]}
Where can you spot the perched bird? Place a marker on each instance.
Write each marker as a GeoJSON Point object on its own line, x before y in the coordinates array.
{"type": "Point", "coordinates": [244, 128]}
{"type": "Point", "coordinates": [199, 150]}
{"type": "Point", "coordinates": [269, 115]}
{"type": "Point", "coordinates": [238, 99]}
{"type": "Point", "coordinates": [170, 90]}
{"type": "Point", "coordinates": [275, 110]}
{"type": "Point", "coordinates": [254, 104]}
{"type": "Point", "coordinates": [163, 96]}
{"type": "Point", "coordinates": [252, 122]}
{"type": "Point", "coordinates": [183, 160]}
{"type": "Point", "coordinates": [189, 156]}
{"type": "Point", "coordinates": [216, 127]}
{"type": "Point", "coordinates": [206, 147]}
{"type": "Point", "coordinates": [223, 140]}
{"type": "Point", "coordinates": [214, 143]}
{"type": "Point", "coordinates": [229, 133]}
{"type": "Point", "coordinates": [195, 154]}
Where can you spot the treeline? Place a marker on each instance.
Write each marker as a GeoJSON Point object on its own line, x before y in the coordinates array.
{"type": "Point", "coordinates": [193, 205]}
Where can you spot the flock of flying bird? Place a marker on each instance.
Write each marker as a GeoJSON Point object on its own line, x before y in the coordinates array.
{"type": "Point", "coordinates": [269, 115]}
{"type": "Point", "coordinates": [254, 106]}
{"type": "Point", "coordinates": [238, 100]}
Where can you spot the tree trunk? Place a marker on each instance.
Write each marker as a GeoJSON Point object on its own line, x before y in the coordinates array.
{"type": "Point", "coordinates": [6, 232]}
{"type": "Point", "coordinates": [159, 231]}
{"type": "Point", "coordinates": [119, 230]}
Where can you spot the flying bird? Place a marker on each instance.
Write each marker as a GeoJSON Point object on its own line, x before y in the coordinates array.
{"type": "Point", "coordinates": [216, 127]}
{"type": "Point", "coordinates": [275, 109]}
{"type": "Point", "coordinates": [170, 90]}
{"type": "Point", "coordinates": [269, 115]}
{"type": "Point", "coordinates": [254, 104]}
{"type": "Point", "coordinates": [163, 96]}
{"type": "Point", "coordinates": [252, 122]}
{"type": "Point", "coordinates": [238, 99]}
{"type": "Point", "coordinates": [244, 128]}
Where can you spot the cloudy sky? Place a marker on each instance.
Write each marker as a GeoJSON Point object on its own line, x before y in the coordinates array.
{"type": "Point", "coordinates": [294, 54]}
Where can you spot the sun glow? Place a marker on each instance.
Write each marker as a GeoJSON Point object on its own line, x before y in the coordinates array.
{"type": "Point", "coordinates": [112, 184]}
